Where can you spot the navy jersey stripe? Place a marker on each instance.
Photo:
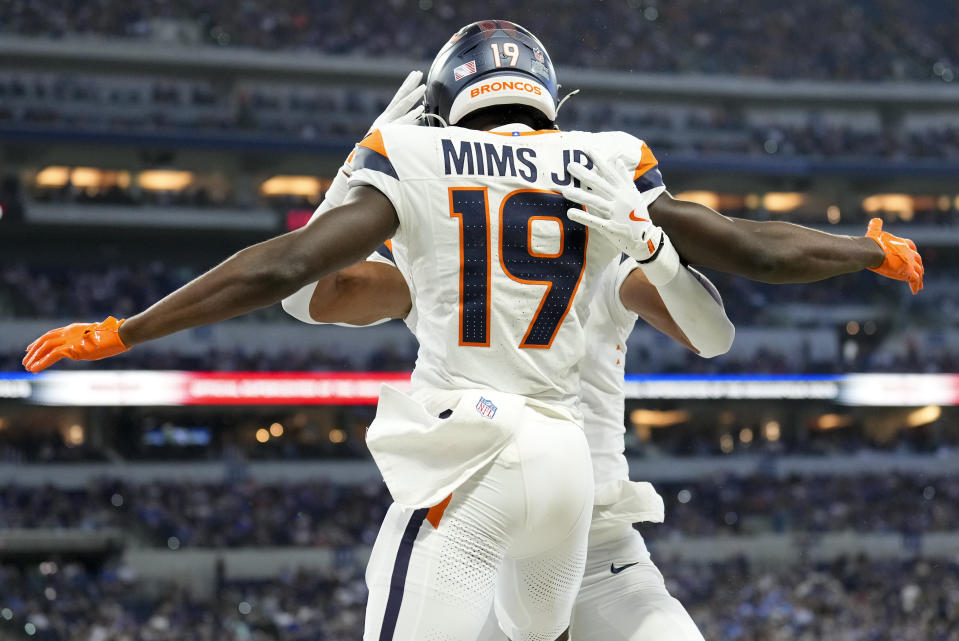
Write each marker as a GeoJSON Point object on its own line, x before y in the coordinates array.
{"type": "Point", "coordinates": [400, 567]}
{"type": "Point", "coordinates": [385, 252]}
{"type": "Point", "coordinates": [652, 178]}
{"type": "Point", "coordinates": [366, 158]}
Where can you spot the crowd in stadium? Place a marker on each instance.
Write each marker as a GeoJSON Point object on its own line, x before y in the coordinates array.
{"type": "Point", "coordinates": [322, 513]}
{"type": "Point", "coordinates": [849, 599]}
{"type": "Point", "coordinates": [37, 291]}
{"type": "Point", "coordinates": [67, 602]}
{"type": "Point", "coordinates": [343, 114]}
{"type": "Point", "coordinates": [236, 514]}
{"type": "Point", "coordinates": [858, 40]}
{"type": "Point", "coordinates": [919, 356]}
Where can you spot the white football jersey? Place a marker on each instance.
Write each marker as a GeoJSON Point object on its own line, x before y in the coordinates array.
{"type": "Point", "coordinates": [601, 375]}
{"type": "Point", "coordinates": [501, 279]}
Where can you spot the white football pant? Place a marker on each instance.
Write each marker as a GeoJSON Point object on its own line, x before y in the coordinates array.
{"type": "Point", "coordinates": [512, 539]}
{"type": "Point", "coordinates": [630, 604]}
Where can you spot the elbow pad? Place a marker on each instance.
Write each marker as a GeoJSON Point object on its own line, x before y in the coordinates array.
{"type": "Point", "coordinates": [297, 304]}
{"type": "Point", "coordinates": [698, 311]}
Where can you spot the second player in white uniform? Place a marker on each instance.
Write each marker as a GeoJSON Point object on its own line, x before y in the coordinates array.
{"type": "Point", "coordinates": [623, 596]}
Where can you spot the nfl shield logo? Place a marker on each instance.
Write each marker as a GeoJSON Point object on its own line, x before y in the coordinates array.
{"type": "Point", "coordinates": [486, 408]}
{"type": "Point", "coordinates": [539, 55]}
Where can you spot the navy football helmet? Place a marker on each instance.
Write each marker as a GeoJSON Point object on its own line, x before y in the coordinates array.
{"type": "Point", "coordinates": [490, 63]}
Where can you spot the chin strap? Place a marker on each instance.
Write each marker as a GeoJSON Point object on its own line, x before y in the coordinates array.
{"type": "Point", "coordinates": [565, 98]}
{"type": "Point", "coordinates": [424, 116]}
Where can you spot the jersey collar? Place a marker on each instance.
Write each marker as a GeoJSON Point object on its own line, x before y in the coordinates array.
{"type": "Point", "coordinates": [516, 126]}
{"type": "Point", "coordinates": [519, 129]}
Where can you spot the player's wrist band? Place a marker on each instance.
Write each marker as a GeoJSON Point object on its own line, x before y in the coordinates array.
{"type": "Point", "coordinates": [663, 265]}
{"type": "Point", "coordinates": [652, 257]}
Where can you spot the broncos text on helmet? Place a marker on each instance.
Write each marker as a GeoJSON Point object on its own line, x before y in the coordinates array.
{"type": "Point", "coordinates": [491, 63]}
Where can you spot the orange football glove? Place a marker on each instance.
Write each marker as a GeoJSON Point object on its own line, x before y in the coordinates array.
{"type": "Point", "coordinates": [80, 341]}
{"type": "Point", "coordinates": [902, 262]}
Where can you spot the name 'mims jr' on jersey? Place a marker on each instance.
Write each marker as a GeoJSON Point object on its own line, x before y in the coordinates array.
{"type": "Point", "coordinates": [467, 158]}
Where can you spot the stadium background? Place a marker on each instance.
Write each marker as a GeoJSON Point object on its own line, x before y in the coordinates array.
{"type": "Point", "coordinates": [186, 491]}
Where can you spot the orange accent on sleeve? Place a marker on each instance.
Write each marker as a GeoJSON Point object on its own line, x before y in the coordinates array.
{"type": "Point", "coordinates": [389, 244]}
{"type": "Point", "coordinates": [647, 162]}
{"type": "Point", "coordinates": [350, 157]}
{"type": "Point", "coordinates": [436, 512]}
{"type": "Point", "coordinates": [375, 142]}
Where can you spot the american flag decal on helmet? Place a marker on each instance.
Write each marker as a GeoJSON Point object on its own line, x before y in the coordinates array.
{"type": "Point", "coordinates": [466, 69]}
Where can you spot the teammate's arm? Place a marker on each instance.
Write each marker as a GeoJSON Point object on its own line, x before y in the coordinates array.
{"type": "Point", "coordinates": [255, 277]}
{"type": "Point", "coordinates": [404, 108]}
{"type": "Point", "coordinates": [688, 309]}
{"type": "Point", "coordinates": [769, 251]}
{"type": "Point", "coordinates": [766, 251]}
{"type": "Point", "coordinates": [361, 294]}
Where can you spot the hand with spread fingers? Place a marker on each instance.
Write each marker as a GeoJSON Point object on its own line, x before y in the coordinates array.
{"type": "Point", "coordinates": [401, 109]}
{"type": "Point", "coordinates": [618, 210]}
{"type": "Point", "coordinates": [79, 341]}
{"type": "Point", "coordinates": [902, 262]}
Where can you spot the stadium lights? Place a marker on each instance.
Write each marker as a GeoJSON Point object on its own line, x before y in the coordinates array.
{"type": "Point", "coordinates": [772, 431]}
{"type": "Point", "coordinates": [86, 177]}
{"type": "Point", "coordinates": [833, 214]}
{"type": "Point", "coordinates": [74, 435]}
{"type": "Point", "coordinates": [900, 204]}
{"type": "Point", "coordinates": [337, 435]}
{"type": "Point", "coordinates": [707, 198]}
{"type": "Point", "coordinates": [658, 418]}
{"type": "Point", "coordinates": [164, 179]}
{"type": "Point", "coordinates": [276, 430]}
{"type": "Point", "coordinates": [833, 421]}
{"type": "Point", "coordinates": [783, 201]}
{"type": "Point", "coordinates": [726, 443]}
{"type": "Point", "coordinates": [307, 186]}
{"type": "Point", "coordinates": [923, 416]}
{"type": "Point", "coordinates": [57, 176]}
{"type": "Point", "coordinates": [262, 435]}
{"type": "Point", "coordinates": [54, 176]}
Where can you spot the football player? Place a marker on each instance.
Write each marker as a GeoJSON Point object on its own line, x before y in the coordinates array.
{"type": "Point", "coordinates": [488, 448]}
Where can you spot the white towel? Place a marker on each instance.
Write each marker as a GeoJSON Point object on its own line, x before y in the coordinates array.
{"type": "Point", "coordinates": [625, 501]}
{"type": "Point", "coordinates": [422, 457]}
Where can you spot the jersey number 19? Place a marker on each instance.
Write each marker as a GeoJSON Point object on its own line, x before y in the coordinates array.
{"type": "Point", "coordinates": [560, 272]}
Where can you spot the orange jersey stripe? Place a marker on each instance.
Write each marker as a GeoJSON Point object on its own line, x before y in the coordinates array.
{"type": "Point", "coordinates": [647, 162]}
{"type": "Point", "coordinates": [374, 142]}
{"type": "Point", "coordinates": [436, 512]}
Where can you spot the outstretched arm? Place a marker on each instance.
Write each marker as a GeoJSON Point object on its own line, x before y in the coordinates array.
{"type": "Point", "coordinates": [255, 277]}
{"type": "Point", "coordinates": [770, 252]}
